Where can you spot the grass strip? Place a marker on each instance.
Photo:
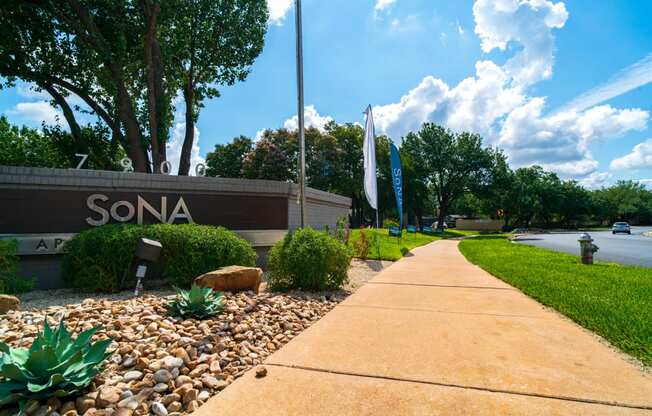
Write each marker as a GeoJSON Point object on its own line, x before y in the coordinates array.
{"type": "Point", "coordinates": [612, 300]}
{"type": "Point", "coordinates": [393, 248]}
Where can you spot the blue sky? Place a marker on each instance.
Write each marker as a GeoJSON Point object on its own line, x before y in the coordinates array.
{"type": "Point", "coordinates": [561, 84]}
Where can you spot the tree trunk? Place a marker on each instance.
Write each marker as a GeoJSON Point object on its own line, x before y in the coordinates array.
{"type": "Point", "coordinates": [68, 114]}
{"type": "Point", "coordinates": [135, 149]}
{"type": "Point", "coordinates": [86, 29]}
{"type": "Point", "coordinates": [151, 13]}
{"type": "Point", "coordinates": [443, 211]}
{"type": "Point", "coordinates": [162, 105]}
{"type": "Point", "coordinates": [186, 149]}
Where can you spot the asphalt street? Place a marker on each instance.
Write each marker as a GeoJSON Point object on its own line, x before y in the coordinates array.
{"type": "Point", "coordinates": [620, 248]}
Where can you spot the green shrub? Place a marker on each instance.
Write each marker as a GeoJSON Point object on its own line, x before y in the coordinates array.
{"type": "Point", "coordinates": [100, 259]}
{"type": "Point", "coordinates": [309, 260]}
{"type": "Point", "coordinates": [54, 365]}
{"type": "Point", "coordinates": [341, 231]}
{"type": "Point", "coordinates": [389, 222]}
{"type": "Point", "coordinates": [197, 303]}
{"type": "Point", "coordinates": [361, 246]}
{"type": "Point", "coordinates": [10, 282]}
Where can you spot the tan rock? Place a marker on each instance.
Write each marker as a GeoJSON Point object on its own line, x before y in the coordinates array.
{"type": "Point", "coordinates": [232, 279]}
{"type": "Point", "coordinates": [191, 395]}
{"type": "Point", "coordinates": [83, 404]}
{"type": "Point", "coordinates": [67, 406]}
{"type": "Point", "coordinates": [261, 371]}
{"type": "Point", "coordinates": [123, 412]}
{"type": "Point", "coordinates": [9, 303]}
{"type": "Point", "coordinates": [199, 370]}
{"type": "Point", "coordinates": [108, 396]}
{"type": "Point", "coordinates": [181, 353]}
{"type": "Point", "coordinates": [192, 406]}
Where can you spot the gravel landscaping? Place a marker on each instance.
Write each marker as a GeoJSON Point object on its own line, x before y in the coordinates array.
{"type": "Point", "coordinates": [164, 365]}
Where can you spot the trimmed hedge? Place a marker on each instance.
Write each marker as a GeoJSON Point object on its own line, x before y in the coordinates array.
{"type": "Point", "coordinates": [309, 260]}
{"type": "Point", "coordinates": [10, 282]}
{"type": "Point", "coordinates": [100, 259]}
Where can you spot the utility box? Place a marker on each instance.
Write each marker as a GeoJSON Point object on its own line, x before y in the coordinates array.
{"type": "Point", "coordinates": [148, 250]}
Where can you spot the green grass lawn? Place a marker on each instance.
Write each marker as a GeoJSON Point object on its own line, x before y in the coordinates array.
{"type": "Point", "coordinates": [392, 248]}
{"type": "Point", "coordinates": [612, 300]}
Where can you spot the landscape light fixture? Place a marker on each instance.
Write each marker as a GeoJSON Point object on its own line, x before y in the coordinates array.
{"type": "Point", "coordinates": [147, 251]}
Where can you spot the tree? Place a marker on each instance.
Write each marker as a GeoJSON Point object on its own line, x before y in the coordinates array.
{"type": "Point", "coordinates": [268, 161]}
{"type": "Point", "coordinates": [26, 147]}
{"type": "Point", "coordinates": [214, 43]}
{"type": "Point", "coordinates": [348, 139]}
{"type": "Point", "coordinates": [626, 201]}
{"type": "Point", "coordinates": [226, 160]}
{"type": "Point", "coordinates": [497, 198]}
{"type": "Point", "coordinates": [450, 163]}
{"type": "Point", "coordinates": [56, 148]}
{"type": "Point", "coordinates": [417, 201]}
{"type": "Point", "coordinates": [127, 59]}
{"type": "Point", "coordinates": [575, 204]}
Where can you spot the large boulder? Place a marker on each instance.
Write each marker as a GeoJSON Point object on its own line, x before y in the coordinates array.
{"type": "Point", "coordinates": [9, 303]}
{"type": "Point", "coordinates": [232, 279]}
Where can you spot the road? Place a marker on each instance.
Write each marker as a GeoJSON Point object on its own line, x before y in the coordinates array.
{"type": "Point", "coordinates": [620, 248]}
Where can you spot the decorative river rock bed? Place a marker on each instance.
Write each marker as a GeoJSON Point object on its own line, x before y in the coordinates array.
{"type": "Point", "coordinates": [163, 365]}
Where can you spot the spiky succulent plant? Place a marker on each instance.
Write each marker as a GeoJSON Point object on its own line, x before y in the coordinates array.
{"type": "Point", "coordinates": [55, 365]}
{"type": "Point", "coordinates": [197, 303]}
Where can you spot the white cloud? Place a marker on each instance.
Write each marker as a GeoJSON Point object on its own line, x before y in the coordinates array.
{"type": "Point", "coordinates": [409, 24]}
{"type": "Point", "coordinates": [495, 101]}
{"type": "Point", "coordinates": [528, 23]}
{"type": "Point", "coordinates": [29, 91]}
{"type": "Point", "coordinates": [382, 6]}
{"type": "Point", "coordinates": [38, 112]}
{"type": "Point", "coordinates": [460, 29]}
{"type": "Point", "coordinates": [26, 90]}
{"type": "Point", "coordinates": [646, 182]}
{"type": "Point", "coordinates": [639, 157]}
{"type": "Point", "coordinates": [278, 9]}
{"type": "Point", "coordinates": [476, 103]}
{"type": "Point", "coordinates": [596, 180]}
{"type": "Point", "coordinates": [175, 144]}
{"type": "Point", "coordinates": [311, 118]}
{"type": "Point", "coordinates": [627, 79]}
{"type": "Point", "coordinates": [561, 142]}
{"type": "Point", "coordinates": [414, 108]}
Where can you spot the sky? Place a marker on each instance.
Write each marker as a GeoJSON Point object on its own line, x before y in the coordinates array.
{"type": "Point", "coordinates": [563, 84]}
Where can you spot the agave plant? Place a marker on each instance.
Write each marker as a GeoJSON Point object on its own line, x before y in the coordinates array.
{"type": "Point", "coordinates": [54, 365]}
{"type": "Point", "coordinates": [198, 303]}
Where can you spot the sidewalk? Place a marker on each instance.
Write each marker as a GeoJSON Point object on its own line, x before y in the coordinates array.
{"type": "Point", "coordinates": [434, 334]}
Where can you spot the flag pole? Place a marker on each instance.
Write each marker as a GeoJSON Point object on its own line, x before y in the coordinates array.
{"type": "Point", "coordinates": [300, 107]}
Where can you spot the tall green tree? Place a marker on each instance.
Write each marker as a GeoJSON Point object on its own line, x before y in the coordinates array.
{"type": "Point", "coordinates": [268, 160]}
{"type": "Point", "coordinates": [128, 58]}
{"type": "Point", "coordinates": [55, 148]}
{"type": "Point", "coordinates": [625, 201]}
{"type": "Point", "coordinates": [226, 160]}
{"type": "Point", "coordinates": [450, 163]}
{"type": "Point", "coordinates": [214, 43]}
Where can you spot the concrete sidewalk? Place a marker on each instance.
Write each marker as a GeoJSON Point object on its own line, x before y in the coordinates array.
{"type": "Point", "coordinates": [434, 334]}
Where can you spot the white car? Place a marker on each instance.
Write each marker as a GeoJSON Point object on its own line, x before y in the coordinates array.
{"type": "Point", "coordinates": [621, 227]}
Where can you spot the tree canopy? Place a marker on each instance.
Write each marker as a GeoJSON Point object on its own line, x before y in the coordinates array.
{"type": "Point", "coordinates": [128, 59]}
{"type": "Point", "coordinates": [443, 173]}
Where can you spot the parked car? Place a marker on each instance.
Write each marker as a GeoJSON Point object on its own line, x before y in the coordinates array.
{"type": "Point", "coordinates": [621, 227]}
{"type": "Point", "coordinates": [434, 225]}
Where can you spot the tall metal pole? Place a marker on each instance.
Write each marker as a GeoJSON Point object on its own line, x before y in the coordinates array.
{"type": "Point", "coordinates": [302, 137]}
